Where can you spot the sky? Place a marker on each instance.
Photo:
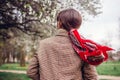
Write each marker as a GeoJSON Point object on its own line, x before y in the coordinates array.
{"type": "Point", "coordinates": [104, 27]}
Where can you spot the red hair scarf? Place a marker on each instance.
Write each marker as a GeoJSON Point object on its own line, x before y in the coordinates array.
{"type": "Point", "coordinates": [89, 51]}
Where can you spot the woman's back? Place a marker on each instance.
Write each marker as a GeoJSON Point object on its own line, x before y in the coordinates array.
{"type": "Point", "coordinates": [58, 60]}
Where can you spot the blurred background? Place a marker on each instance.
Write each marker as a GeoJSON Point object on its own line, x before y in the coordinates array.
{"type": "Point", "coordinates": [24, 22]}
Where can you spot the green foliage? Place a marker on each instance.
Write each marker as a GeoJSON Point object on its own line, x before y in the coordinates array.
{"type": "Point", "coordinates": [13, 76]}
{"type": "Point", "coordinates": [20, 13]}
{"type": "Point", "coordinates": [109, 68]}
{"type": "Point", "coordinates": [12, 66]}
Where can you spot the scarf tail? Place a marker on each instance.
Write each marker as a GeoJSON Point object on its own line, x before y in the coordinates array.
{"type": "Point", "coordinates": [89, 48]}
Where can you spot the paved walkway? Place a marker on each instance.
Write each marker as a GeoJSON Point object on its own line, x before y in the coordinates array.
{"type": "Point", "coordinates": [14, 71]}
{"type": "Point", "coordinates": [105, 77]}
{"type": "Point", "coordinates": [100, 76]}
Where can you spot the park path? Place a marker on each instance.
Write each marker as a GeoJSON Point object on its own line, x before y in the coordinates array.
{"type": "Point", "coordinates": [14, 71]}
{"type": "Point", "coordinates": [105, 77]}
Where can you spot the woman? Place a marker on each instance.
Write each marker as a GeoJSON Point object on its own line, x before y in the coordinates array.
{"type": "Point", "coordinates": [56, 59]}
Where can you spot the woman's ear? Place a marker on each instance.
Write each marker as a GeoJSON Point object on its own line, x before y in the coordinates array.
{"type": "Point", "coordinates": [59, 24]}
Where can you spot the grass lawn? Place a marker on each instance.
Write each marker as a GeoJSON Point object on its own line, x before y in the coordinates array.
{"type": "Point", "coordinates": [106, 68]}
{"type": "Point", "coordinates": [12, 66]}
{"type": "Point", "coordinates": [109, 68]}
{"type": "Point", "coordinates": [13, 76]}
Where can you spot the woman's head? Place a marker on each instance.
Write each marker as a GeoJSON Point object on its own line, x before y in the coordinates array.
{"type": "Point", "coordinates": [69, 19]}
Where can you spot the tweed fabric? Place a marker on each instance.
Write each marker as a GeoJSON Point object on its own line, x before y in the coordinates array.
{"type": "Point", "coordinates": [55, 59]}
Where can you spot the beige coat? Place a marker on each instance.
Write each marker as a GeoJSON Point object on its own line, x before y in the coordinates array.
{"type": "Point", "coordinates": [57, 60]}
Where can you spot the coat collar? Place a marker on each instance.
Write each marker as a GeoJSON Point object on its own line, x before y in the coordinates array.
{"type": "Point", "coordinates": [62, 32]}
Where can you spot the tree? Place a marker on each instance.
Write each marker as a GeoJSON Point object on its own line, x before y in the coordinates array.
{"type": "Point", "coordinates": [21, 17]}
{"type": "Point", "coordinates": [19, 13]}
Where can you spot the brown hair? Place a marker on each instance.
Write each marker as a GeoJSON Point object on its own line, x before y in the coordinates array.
{"type": "Point", "coordinates": [69, 18]}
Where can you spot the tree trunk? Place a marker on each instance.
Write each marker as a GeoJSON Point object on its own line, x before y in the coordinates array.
{"type": "Point", "coordinates": [0, 59]}
{"type": "Point", "coordinates": [22, 59]}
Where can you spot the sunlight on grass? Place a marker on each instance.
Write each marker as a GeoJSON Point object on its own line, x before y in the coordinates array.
{"type": "Point", "coordinates": [13, 66]}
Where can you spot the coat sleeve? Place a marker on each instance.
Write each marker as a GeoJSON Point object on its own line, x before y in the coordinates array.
{"type": "Point", "coordinates": [89, 72]}
{"type": "Point", "coordinates": [33, 68]}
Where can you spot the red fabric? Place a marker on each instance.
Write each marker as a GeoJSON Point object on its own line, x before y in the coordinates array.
{"type": "Point", "coordinates": [88, 48]}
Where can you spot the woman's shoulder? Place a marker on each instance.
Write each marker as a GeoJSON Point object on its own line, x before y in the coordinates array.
{"type": "Point", "coordinates": [47, 41]}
